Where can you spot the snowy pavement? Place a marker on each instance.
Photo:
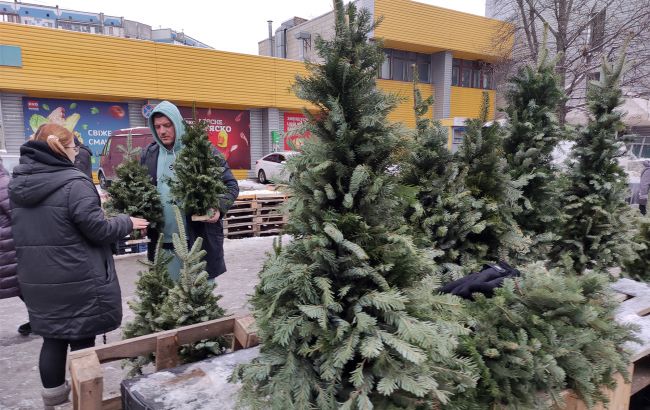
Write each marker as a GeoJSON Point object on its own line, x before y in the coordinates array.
{"type": "Point", "coordinates": [20, 385]}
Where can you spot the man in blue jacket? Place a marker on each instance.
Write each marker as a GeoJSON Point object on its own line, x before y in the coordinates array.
{"type": "Point", "coordinates": [167, 128]}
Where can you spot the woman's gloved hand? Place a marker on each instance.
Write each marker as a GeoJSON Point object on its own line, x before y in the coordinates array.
{"type": "Point", "coordinates": [485, 281]}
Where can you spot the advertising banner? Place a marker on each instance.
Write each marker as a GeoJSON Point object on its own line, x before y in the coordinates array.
{"type": "Point", "coordinates": [91, 121]}
{"type": "Point", "coordinates": [228, 130]}
{"type": "Point", "coordinates": [293, 140]}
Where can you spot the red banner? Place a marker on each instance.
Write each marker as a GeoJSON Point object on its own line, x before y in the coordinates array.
{"type": "Point", "coordinates": [228, 130]}
{"type": "Point", "coordinates": [293, 140]}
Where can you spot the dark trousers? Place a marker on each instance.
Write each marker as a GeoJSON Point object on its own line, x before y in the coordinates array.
{"type": "Point", "coordinates": [642, 209]}
{"type": "Point", "coordinates": [54, 353]}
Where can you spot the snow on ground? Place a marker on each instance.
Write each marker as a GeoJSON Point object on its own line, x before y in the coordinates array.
{"type": "Point", "coordinates": [252, 185]}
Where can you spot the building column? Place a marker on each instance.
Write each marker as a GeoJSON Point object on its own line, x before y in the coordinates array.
{"type": "Point", "coordinates": [441, 79]}
{"type": "Point", "coordinates": [271, 123]}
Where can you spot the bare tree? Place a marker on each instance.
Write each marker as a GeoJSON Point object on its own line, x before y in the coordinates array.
{"type": "Point", "coordinates": [584, 31]}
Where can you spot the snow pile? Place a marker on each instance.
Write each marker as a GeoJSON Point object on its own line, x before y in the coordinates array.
{"type": "Point", "coordinates": [251, 184]}
{"type": "Point", "coordinates": [201, 385]}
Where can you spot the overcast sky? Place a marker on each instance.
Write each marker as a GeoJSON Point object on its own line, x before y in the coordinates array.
{"type": "Point", "coordinates": [230, 25]}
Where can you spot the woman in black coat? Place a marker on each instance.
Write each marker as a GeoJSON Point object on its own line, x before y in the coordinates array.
{"type": "Point", "coordinates": [8, 276]}
{"type": "Point", "coordinates": [65, 266]}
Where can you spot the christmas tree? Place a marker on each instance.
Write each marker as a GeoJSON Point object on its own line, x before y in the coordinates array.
{"type": "Point", "coordinates": [597, 229]}
{"type": "Point", "coordinates": [481, 157]}
{"type": "Point", "coordinates": [444, 211]}
{"type": "Point", "coordinates": [151, 290]}
{"type": "Point", "coordinates": [346, 312]}
{"type": "Point", "coordinates": [132, 192]}
{"type": "Point", "coordinates": [197, 186]}
{"type": "Point", "coordinates": [543, 333]}
{"type": "Point", "coordinates": [192, 298]}
{"type": "Point", "coordinates": [532, 133]}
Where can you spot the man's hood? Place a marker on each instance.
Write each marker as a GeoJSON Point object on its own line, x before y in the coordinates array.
{"type": "Point", "coordinates": [39, 173]}
{"type": "Point", "coordinates": [170, 111]}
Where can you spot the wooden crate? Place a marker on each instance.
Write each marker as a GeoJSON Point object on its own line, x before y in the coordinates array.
{"type": "Point", "coordinates": [619, 398]}
{"type": "Point", "coordinates": [85, 365]}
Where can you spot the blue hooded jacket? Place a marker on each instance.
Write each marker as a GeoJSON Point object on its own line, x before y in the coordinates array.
{"type": "Point", "coordinates": [166, 158]}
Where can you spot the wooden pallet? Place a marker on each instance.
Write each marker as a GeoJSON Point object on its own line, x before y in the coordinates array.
{"type": "Point", "coordinates": [255, 215]}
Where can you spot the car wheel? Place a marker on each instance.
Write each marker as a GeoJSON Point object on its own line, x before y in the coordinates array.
{"type": "Point", "coordinates": [102, 180]}
{"type": "Point", "coordinates": [262, 177]}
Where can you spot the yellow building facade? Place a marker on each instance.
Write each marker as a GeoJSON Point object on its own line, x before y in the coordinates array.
{"type": "Point", "coordinates": [118, 79]}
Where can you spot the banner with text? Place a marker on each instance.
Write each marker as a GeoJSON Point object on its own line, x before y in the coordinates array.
{"type": "Point", "coordinates": [292, 139]}
{"type": "Point", "coordinates": [228, 130]}
{"type": "Point", "coordinates": [91, 121]}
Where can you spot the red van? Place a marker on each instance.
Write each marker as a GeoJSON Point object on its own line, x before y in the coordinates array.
{"type": "Point", "coordinates": [111, 156]}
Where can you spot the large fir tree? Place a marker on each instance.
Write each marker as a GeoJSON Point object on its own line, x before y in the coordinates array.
{"type": "Point", "coordinates": [151, 290]}
{"type": "Point", "coordinates": [132, 192]}
{"type": "Point", "coordinates": [444, 210]}
{"type": "Point", "coordinates": [481, 157]}
{"type": "Point", "coordinates": [597, 229]}
{"type": "Point", "coordinates": [197, 186]}
{"type": "Point", "coordinates": [342, 317]}
{"type": "Point", "coordinates": [532, 133]}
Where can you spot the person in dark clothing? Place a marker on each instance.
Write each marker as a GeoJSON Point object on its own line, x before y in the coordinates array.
{"type": "Point", "coordinates": [65, 267]}
{"type": "Point", "coordinates": [8, 275]}
{"type": "Point", "coordinates": [83, 160]}
{"type": "Point", "coordinates": [166, 124]}
{"type": "Point", "coordinates": [644, 186]}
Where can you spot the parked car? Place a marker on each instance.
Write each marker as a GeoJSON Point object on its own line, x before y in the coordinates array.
{"type": "Point", "coordinates": [271, 167]}
{"type": "Point", "coordinates": [111, 156]}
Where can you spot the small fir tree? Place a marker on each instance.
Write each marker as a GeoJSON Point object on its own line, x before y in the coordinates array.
{"type": "Point", "coordinates": [597, 229]}
{"type": "Point", "coordinates": [132, 192]}
{"type": "Point", "coordinates": [444, 211]}
{"type": "Point", "coordinates": [481, 158]}
{"type": "Point", "coordinates": [151, 290]}
{"type": "Point", "coordinates": [532, 133]}
{"type": "Point", "coordinates": [197, 186]}
{"type": "Point", "coordinates": [192, 298]}
{"type": "Point", "coordinates": [346, 311]}
{"type": "Point", "coordinates": [540, 334]}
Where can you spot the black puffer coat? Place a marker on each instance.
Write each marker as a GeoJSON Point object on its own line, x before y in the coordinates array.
{"type": "Point", "coordinates": [65, 266]}
{"type": "Point", "coordinates": [8, 277]}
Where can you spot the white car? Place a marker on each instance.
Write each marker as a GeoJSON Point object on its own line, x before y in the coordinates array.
{"type": "Point", "coordinates": [271, 166]}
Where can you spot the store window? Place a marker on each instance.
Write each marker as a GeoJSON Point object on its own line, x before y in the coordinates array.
{"type": "Point", "coordinates": [639, 146]}
{"type": "Point", "coordinates": [398, 65]}
{"type": "Point", "coordinates": [458, 135]}
{"type": "Point", "coordinates": [473, 74]}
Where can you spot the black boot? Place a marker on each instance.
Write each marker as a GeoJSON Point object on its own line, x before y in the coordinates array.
{"type": "Point", "coordinates": [25, 329]}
